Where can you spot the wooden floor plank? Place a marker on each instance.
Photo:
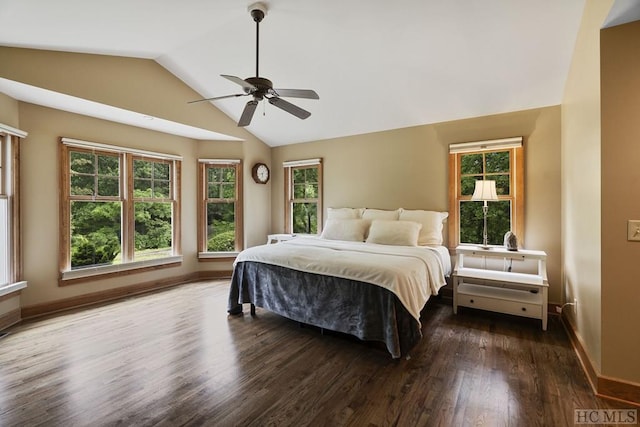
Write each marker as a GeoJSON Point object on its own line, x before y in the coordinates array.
{"type": "Point", "coordinates": [174, 357]}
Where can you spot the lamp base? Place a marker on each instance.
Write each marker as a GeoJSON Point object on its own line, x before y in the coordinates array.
{"type": "Point", "coordinates": [485, 239]}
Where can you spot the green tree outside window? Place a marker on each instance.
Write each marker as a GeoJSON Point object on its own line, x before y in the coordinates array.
{"type": "Point", "coordinates": [152, 209]}
{"type": "Point", "coordinates": [221, 208]}
{"type": "Point", "coordinates": [304, 207]}
{"type": "Point", "coordinates": [494, 166]}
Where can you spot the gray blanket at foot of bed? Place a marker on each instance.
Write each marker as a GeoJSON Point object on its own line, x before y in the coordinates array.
{"type": "Point", "coordinates": [366, 311]}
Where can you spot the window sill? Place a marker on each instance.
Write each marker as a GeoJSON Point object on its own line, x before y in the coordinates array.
{"type": "Point", "coordinates": [217, 256]}
{"type": "Point", "coordinates": [84, 274]}
{"type": "Point", "coordinates": [11, 288]}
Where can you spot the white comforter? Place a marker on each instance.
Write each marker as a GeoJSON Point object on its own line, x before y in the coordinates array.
{"type": "Point", "coordinates": [413, 274]}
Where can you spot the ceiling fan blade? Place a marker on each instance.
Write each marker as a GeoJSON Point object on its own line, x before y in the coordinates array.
{"type": "Point", "coordinates": [289, 107]}
{"type": "Point", "coordinates": [218, 97]}
{"type": "Point", "coordinates": [246, 86]}
{"type": "Point", "coordinates": [297, 93]}
{"type": "Point", "coordinates": [247, 113]}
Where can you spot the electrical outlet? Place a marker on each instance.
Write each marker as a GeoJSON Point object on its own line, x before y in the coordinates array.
{"type": "Point", "coordinates": [633, 230]}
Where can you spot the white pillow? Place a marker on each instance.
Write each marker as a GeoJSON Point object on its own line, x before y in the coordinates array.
{"type": "Point", "coordinates": [352, 230]}
{"type": "Point", "coordinates": [344, 213]}
{"type": "Point", "coordinates": [372, 214]}
{"type": "Point", "coordinates": [390, 232]}
{"type": "Point", "coordinates": [431, 232]}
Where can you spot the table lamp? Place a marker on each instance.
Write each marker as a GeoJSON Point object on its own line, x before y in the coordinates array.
{"type": "Point", "coordinates": [485, 191]}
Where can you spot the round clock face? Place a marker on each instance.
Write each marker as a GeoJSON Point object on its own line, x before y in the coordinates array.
{"type": "Point", "coordinates": [261, 173]}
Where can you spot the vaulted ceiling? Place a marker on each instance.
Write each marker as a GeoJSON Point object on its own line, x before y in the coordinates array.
{"type": "Point", "coordinates": [376, 64]}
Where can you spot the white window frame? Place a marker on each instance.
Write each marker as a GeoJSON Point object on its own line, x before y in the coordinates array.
{"type": "Point", "coordinates": [10, 233]}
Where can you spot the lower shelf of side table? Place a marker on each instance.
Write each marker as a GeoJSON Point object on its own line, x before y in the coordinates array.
{"type": "Point", "coordinates": [502, 300]}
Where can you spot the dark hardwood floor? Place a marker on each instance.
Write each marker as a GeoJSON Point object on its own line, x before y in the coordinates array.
{"type": "Point", "coordinates": [174, 357]}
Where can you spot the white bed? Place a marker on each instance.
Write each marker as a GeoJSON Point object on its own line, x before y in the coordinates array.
{"type": "Point", "coordinates": [366, 277]}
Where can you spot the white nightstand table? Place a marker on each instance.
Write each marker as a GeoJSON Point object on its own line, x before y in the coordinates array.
{"type": "Point", "coordinates": [277, 238]}
{"type": "Point", "coordinates": [521, 294]}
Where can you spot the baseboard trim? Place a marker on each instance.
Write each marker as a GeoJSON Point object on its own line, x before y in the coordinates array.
{"type": "Point", "coordinates": [616, 389]}
{"type": "Point", "coordinates": [9, 319]}
{"type": "Point", "coordinates": [221, 274]}
{"type": "Point", "coordinates": [585, 361]}
{"type": "Point", "coordinates": [605, 387]}
{"type": "Point", "coordinates": [36, 310]}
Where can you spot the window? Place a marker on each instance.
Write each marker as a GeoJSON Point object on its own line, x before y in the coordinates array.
{"type": "Point", "coordinates": [220, 209]}
{"type": "Point", "coordinates": [153, 207]}
{"type": "Point", "coordinates": [303, 209]}
{"type": "Point", "coordinates": [120, 208]}
{"type": "Point", "coordinates": [501, 161]}
{"type": "Point", "coordinates": [10, 262]}
{"type": "Point", "coordinates": [95, 208]}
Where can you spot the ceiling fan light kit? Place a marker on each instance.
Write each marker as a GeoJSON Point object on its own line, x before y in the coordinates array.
{"type": "Point", "coordinates": [262, 88]}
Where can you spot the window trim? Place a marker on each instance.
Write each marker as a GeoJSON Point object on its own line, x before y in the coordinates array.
{"type": "Point", "coordinates": [83, 274]}
{"type": "Point", "coordinates": [289, 166]}
{"type": "Point", "coordinates": [203, 253]}
{"type": "Point", "coordinates": [516, 148]}
{"type": "Point", "coordinates": [96, 146]}
{"type": "Point", "coordinates": [127, 156]}
{"type": "Point", "coordinates": [11, 138]}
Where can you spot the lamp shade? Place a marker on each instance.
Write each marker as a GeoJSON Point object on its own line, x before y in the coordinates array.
{"type": "Point", "coordinates": [485, 191]}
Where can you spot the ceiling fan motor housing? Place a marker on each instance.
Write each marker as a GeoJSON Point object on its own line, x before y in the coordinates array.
{"type": "Point", "coordinates": [263, 86]}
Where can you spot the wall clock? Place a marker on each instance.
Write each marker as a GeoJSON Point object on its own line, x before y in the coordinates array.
{"type": "Point", "coordinates": [260, 173]}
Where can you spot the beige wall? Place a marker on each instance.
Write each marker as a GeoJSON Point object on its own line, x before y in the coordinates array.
{"type": "Point", "coordinates": [9, 304]}
{"type": "Point", "coordinates": [600, 134]}
{"type": "Point", "coordinates": [408, 168]}
{"type": "Point", "coordinates": [140, 85]}
{"type": "Point", "coordinates": [581, 188]}
{"type": "Point", "coordinates": [620, 65]}
{"type": "Point", "coordinates": [135, 84]}
{"type": "Point", "coordinates": [8, 111]}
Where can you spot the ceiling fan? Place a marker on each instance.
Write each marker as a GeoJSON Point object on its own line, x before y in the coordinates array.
{"type": "Point", "coordinates": [261, 88]}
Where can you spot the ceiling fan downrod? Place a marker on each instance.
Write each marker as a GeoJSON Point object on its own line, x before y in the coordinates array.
{"type": "Point", "coordinates": [258, 12]}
